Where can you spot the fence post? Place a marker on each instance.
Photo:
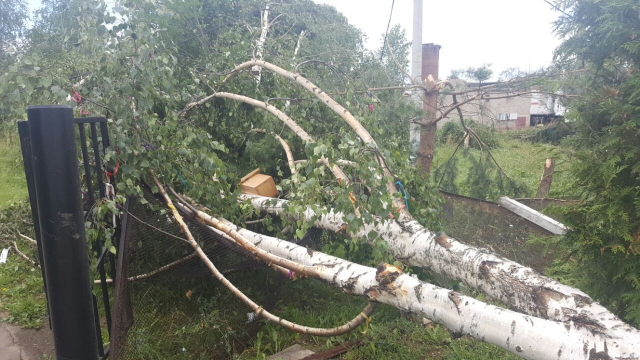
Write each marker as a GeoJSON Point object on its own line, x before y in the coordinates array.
{"type": "Point", "coordinates": [64, 248]}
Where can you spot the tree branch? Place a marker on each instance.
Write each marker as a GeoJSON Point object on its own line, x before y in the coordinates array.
{"type": "Point", "coordinates": [156, 271]}
{"type": "Point", "coordinates": [338, 109]}
{"type": "Point", "coordinates": [22, 255]}
{"type": "Point", "coordinates": [337, 172]}
{"type": "Point", "coordinates": [27, 238]}
{"type": "Point", "coordinates": [358, 320]}
{"type": "Point", "coordinates": [285, 146]}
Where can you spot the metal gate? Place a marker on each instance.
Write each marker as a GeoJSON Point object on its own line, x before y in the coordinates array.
{"type": "Point", "coordinates": [61, 198]}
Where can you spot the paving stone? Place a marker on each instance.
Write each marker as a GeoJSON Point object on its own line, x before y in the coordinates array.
{"type": "Point", "coordinates": [6, 339]}
{"type": "Point", "coordinates": [10, 353]}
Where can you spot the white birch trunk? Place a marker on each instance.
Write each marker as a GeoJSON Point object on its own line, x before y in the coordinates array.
{"type": "Point", "coordinates": [264, 17]}
{"type": "Point", "coordinates": [519, 287]}
{"type": "Point", "coordinates": [298, 44]}
{"type": "Point", "coordinates": [293, 60]}
{"type": "Point", "coordinates": [523, 335]}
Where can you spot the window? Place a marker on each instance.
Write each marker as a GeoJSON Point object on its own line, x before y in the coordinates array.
{"type": "Point", "coordinates": [507, 116]}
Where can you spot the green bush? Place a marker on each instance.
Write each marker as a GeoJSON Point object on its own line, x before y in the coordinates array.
{"type": "Point", "coordinates": [452, 133]}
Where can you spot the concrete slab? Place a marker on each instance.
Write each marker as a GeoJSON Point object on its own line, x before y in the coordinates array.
{"type": "Point", "coordinates": [295, 352]}
{"type": "Point", "coordinates": [11, 353]}
{"type": "Point", "coordinates": [25, 344]}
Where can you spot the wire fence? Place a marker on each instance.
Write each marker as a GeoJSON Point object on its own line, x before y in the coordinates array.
{"type": "Point", "coordinates": [486, 224]}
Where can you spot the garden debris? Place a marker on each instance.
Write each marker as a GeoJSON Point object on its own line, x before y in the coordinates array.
{"type": "Point", "coordinates": [3, 255]}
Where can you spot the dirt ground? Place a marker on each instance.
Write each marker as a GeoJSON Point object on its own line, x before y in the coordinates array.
{"type": "Point", "coordinates": [25, 344]}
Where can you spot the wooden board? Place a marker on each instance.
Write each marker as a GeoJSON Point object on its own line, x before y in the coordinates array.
{"type": "Point", "coordinates": [255, 183]}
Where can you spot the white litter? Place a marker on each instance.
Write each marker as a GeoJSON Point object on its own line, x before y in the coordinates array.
{"type": "Point", "coordinates": [3, 255]}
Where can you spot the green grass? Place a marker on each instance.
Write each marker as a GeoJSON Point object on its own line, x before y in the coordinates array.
{"type": "Point", "coordinates": [21, 288]}
{"type": "Point", "coordinates": [13, 186]}
{"type": "Point", "coordinates": [388, 336]}
{"type": "Point", "coordinates": [522, 161]}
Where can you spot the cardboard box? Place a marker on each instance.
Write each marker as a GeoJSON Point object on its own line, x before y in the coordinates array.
{"type": "Point", "coordinates": [255, 183]}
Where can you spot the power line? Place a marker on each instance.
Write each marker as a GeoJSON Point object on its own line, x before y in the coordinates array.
{"type": "Point", "coordinates": [387, 32]}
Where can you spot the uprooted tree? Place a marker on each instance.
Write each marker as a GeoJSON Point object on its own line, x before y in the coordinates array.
{"type": "Point", "coordinates": [192, 100]}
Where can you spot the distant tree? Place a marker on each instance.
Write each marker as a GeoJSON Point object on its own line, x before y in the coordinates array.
{"type": "Point", "coordinates": [13, 17]}
{"type": "Point", "coordinates": [478, 74]}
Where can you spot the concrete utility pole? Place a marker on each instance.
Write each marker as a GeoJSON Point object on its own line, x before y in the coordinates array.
{"type": "Point", "coordinates": [416, 68]}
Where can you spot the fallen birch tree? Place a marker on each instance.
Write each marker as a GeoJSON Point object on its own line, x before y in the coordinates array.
{"type": "Point", "coordinates": [519, 287]}
{"type": "Point", "coordinates": [523, 335]}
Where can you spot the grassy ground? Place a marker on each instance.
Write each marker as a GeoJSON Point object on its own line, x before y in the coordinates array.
{"type": "Point", "coordinates": [388, 336]}
{"type": "Point", "coordinates": [21, 288]}
{"type": "Point", "coordinates": [13, 186]}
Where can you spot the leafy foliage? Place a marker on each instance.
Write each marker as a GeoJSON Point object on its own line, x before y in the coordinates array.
{"type": "Point", "coordinates": [452, 132]}
{"type": "Point", "coordinates": [13, 16]}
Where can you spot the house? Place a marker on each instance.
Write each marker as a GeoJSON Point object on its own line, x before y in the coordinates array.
{"type": "Point", "coordinates": [500, 106]}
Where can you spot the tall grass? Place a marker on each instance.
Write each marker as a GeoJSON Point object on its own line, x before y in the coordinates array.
{"type": "Point", "coordinates": [522, 161]}
{"type": "Point", "coordinates": [13, 186]}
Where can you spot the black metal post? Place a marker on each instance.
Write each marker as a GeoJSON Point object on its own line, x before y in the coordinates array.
{"type": "Point", "coordinates": [64, 247]}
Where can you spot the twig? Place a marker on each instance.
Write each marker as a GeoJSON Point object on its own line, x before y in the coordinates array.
{"type": "Point", "coordinates": [154, 272]}
{"type": "Point", "coordinates": [482, 144]}
{"type": "Point", "coordinates": [360, 319]}
{"type": "Point", "coordinates": [404, 71]}
{"type": "Point", "coordinates": [22, 255]}
{"type": "Point", "coordinates": [27, 238]}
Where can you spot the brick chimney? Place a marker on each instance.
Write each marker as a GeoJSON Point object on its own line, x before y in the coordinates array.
{"type": "Point", "coordinates": [430, 60]}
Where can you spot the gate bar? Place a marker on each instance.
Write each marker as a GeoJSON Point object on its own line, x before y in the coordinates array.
{"type": "Point", "coordinates": [66, 262]}
{"type": "Point", "coordinates": [25, 144]}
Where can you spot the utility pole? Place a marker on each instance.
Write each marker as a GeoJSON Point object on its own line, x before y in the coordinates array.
{"type": "Point", "coordinates": [416, 70]}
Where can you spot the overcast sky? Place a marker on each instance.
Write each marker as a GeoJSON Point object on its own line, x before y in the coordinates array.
{"type": "Point", "coordinates": [506, 33]}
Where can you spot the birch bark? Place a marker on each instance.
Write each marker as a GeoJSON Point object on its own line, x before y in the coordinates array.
{"type": "Point", "coordinates": [523, 335]}
{"type": "Point", "coordinates": [519, 287]}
